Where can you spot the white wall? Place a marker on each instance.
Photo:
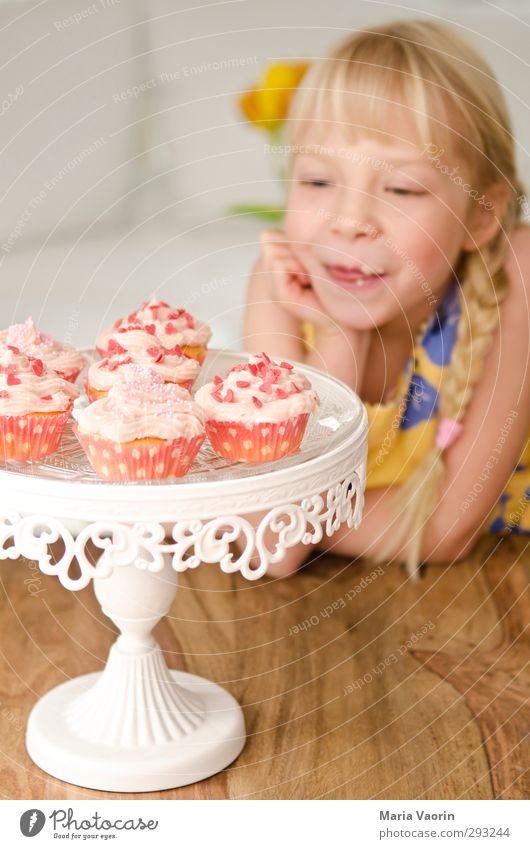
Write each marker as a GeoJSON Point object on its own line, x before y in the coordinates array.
{"type": "Point", "coordinates": [219, 158]}
{"type": "Point", "coordinates": [115, 224]}
{"type": "Point", "coordinates": [64, 156]}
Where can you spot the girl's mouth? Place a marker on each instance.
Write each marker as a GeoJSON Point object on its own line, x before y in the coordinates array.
{"type": "Point", "coordinates": [361, 278]}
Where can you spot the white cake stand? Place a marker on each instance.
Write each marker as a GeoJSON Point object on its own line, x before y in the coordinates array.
{"type": "Point", "coordinates": [138, 726]}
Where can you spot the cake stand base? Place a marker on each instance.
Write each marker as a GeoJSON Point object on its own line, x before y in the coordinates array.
{"type": "Point", "coordinates": [210, 747]}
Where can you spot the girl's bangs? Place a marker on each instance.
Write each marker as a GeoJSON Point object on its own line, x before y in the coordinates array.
{"type": "Point", "coordinates": [357, 99]}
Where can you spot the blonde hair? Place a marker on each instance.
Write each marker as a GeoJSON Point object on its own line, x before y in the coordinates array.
{"type": "Point", "coordinates": [451, 94]}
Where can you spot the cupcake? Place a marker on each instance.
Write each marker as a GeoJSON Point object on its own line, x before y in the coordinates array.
{"type": "Point", "coordinates": [62, 358]}
{"type": "Point", "coordinates": [139, 345]}
{"type": "Point", "coordinates": [144, 429]}
{"type": "Point", "coordinates": [259, 412]}
{"type": "Point", "coordinates": [35, 404]}
{"type": "Point", "coordinates": [171, 325]}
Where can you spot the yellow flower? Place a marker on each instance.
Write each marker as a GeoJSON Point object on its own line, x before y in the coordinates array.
{"type": "Point", "coordinates": [267, 105]}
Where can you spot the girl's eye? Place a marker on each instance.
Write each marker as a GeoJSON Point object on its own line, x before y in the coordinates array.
{"type": "Point", "coordinates": [316, 183]}
{"type": "Point", "coordinates": [398, 190]}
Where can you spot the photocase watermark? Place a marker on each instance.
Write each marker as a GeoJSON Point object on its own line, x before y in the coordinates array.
{"type": "Point", "coordinates": [338, 604]}
{"type": "Point", "coordinates": [9, 714]}
{"type": "Point", "coordinates": [345, 153]}
{"type": "Point", "coordinates": [386, 445]}
{"type": "Point", "coordinates": [522, 200]}
{"type": "Point", "coordinates": [72, 326]}
{"type": "Point", "coordinates": [401, 253]}
{"type": "Point", "coordinates": [389, 660]}
{"type": "Point", "coordinates": [34, 581]}
{"type": "Point", "coordinates": [10, 99]}
{"type": "Point", "coordinates": [47, 187]}
{"type": "Point", "coordinates": [206, 289]}
{"type": "Point", "coordinates": [434, 154]}
{"type": "Point", "coordinates": [182, 73]}
{"type": "Point", "coordinates": [490, 464]}
{"type": "Point", "coordinates": [512, 519]}
{"type": "Point", "coordinates": [83, 14]}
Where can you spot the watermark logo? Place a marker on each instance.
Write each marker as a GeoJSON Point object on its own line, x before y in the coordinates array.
{"type": "Point", "coordinates": [32, 822]}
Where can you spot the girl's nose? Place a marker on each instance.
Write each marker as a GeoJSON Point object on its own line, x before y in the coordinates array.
{"type": "Point", "coordinates": [353, 215]}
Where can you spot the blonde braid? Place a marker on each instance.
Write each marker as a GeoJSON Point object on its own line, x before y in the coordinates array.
{"type": "Point", "coordinates": [484, 284]}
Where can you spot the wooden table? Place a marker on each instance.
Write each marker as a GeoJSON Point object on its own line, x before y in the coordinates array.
{"type": "Point", "coordinates": [351, 689]}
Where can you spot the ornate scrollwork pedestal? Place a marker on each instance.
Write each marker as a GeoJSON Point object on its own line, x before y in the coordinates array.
{"type": "Point", "coordinates": [138, 726]}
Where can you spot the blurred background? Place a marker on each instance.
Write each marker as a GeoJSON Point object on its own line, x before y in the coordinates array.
{"type": "Point", "coordinates": [123, 149]}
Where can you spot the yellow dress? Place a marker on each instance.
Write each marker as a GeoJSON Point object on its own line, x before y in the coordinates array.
{"type": "Point", "coordinates": [402, 431]}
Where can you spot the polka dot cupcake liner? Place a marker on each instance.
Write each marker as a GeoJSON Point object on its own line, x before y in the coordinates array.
{"type": "Point", "coordinates": [258, 443]}
{"type": "Point", "coordinates": [141, 459]}
{"type": "Point", "coordinates": [31, 436]}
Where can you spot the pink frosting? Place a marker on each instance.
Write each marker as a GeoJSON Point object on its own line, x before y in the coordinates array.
{"type": "Point", "coordinates": [55, 355]}
{"type": "Point", "coordinates": [141, 405]}
{"type": "Point", "coordinates": [171, 325]}
{"type": "Point", "coordinates": [261, 390]}
{"type": "Point", "coordinates": [135, 344]}
{"type": "Point", "coordinates": [27, 386]}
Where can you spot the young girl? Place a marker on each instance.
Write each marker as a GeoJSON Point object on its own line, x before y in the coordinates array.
{"type": "Point", "coordinates": [404, 270]}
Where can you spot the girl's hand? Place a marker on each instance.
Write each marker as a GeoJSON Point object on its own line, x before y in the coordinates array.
{"type": "Point", "coordinates": [291, 280]}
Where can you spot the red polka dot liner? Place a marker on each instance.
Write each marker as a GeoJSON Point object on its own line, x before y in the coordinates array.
{"type": "Point", "coordinates": [141, 459]}
{"type": "Point", "coordinates": [257, 443]}
{"type": "Point", "coordinates": [31, 436]}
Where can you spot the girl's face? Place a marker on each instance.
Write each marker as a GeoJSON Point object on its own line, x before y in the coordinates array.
{"type": "Point", "coordinates": [385, 224]}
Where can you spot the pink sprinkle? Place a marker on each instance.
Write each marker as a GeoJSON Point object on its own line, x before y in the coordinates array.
{"type": "Point", "coordinates": [170, 328]}
{"type": "Point", "coordinates": [114, 347]}
{"type": "Point", "coordinates": [130, 327]}
{"type": "Point", "coordinates": [242, 383]}
{"type": "Point", "coordinates": [295, 388]}
{"type": "Point", "coordinates": [265, 357]}
{"type": "Point", "coordinates": [132, 317]}
{"type": "Point", "coordinates": [46, 397]}
{"type": "Point", "coordinates": [253, 369]}
{"type": "Point", "coordinates": [37, 367]}
{"type": "Point", "coordinates": [229, 396]}
{"type": "Point", "coordinates": [175, 314]}
{"type": "Point", "coordinates": [217, 380]}
{"type": "Point", "coordinates": [153, 351]}
{"type": "Point", "coordinates": [281, 393]}
{"type": "Point", "coordinates": [149, 328]}
{"type": "Point", "coordinates": [256, 401]}
{"type": "Point", "coordinates": [14, 349]}
{"type": "Point", "coordinates": [176, 351]}
{"type": "Point", "coordinates": [12, 380]}
{"type": "Point", "coordinates": [271, 375]}
{"type": "Point", "coordinates": [4, 393]}
{"type": "Point", "coordinates": [266, 387]}
{"type": "Point", "coordinates": [283, 364]}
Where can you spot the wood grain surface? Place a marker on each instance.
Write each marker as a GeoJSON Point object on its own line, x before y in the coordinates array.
{"type": "Point", "coordinates": [355, 683]}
